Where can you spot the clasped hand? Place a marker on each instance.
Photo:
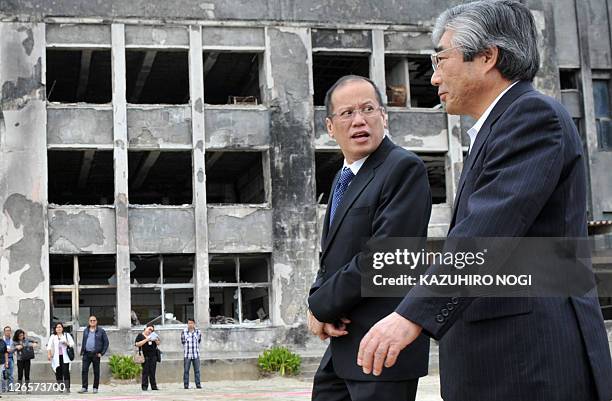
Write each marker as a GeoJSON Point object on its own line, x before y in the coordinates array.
{"type": "Point", "coordinates": [326, 330]}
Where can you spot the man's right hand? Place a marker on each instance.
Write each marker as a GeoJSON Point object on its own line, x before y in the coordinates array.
{"type": "Point", "coordinates": [316, 327]}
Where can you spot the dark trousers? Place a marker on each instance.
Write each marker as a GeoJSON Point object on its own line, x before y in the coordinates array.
{"type": "Point", "coordinates": [88, 359]}
{"type": "Point", "coordinates": [148, 372]}
{"type": "Point", "coordinates": [62, 372]}
{"type": "Point", "coordinates": [23, 367]}
{"type": "Point", "coordinates": [329, 387]}
{"type": "Point", "coordinates": [196, 371]}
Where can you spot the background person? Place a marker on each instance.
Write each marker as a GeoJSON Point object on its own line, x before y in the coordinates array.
{"type": "Point", "coordinates": [191, 338]}
{"type": "Point", "coordinates": [24, 353]}
{"type": "Point", "coordinates": [8, 340]}
{"type": "Point", "coordinates": [93, 346]}
{"type": "Point", "coordinates": [148, 341]}
{"type": "Point", "coordinates": [57, 347]}
{"type": "Point", "coordinates": [3, 361]}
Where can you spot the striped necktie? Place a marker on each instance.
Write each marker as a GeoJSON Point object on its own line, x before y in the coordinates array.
{"type": "Point", "coordinates": [343, 182]}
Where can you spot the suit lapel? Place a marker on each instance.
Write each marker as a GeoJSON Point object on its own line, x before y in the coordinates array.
{"type": "Point", "coordinates": [358, 184]}
{"type": "Point", "coordinates": [499, 109]}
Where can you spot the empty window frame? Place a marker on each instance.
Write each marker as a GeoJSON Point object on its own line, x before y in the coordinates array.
{"type": "Point", "coordinates": [232, 78]}
{"type": "Point", "coordinates": [239, 289]}
{"type": "Point", "coordinates": [327, 164]}
{"type": "Point", "coordinates": [156, 76]}
{"type": "Point", "coordinates": [162, 289]}
{"type": "Point", "coordinates": [327, 68]}
{"type": "Point", "coordinates": [602, 99]}
{"type": "Point", "coordinates": [436, 174]}
{"type": "Point", "coordinates": [604, 286]}
{"type": "Point", "coordinates": [408, 80]}
{"type": "Point", "coordinates": [83, 285]}
{"type": "Point", "coordinates": [568, 79]}
{"type": "Point", "coordinates": [235, 177]}
{"type": "Point", "coordinates": [160, 177]}
{"type": "Point", "coordinates": [78, 75]}
{"type": "Point", "coordinates": [81, 177]}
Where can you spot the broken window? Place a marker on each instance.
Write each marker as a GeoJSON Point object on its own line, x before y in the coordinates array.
{"type": "Point", "coordinates": [603, 112]}
{"type": "Point", "coordinates": [81, 177]}
{"type": "Point", "coordinates": [239, 289]}
{"type": "Point", "coordinates": [83, 285]}
{"type": "Point", "coordinates": [160, 177]}
{"type": "Point", "coordinates": [568, 79]}
{"type": "Point", "coordinates": [234, 177]}
{"type": "Point", "coordinates": [408, 80]}
{"type": "Point", "coordinates": [162, 289]}
{"type": "Point", "coordinates": [327, 164]}
{"type": "Point", "coordinates": [81, 75]}
{"type": "Point", "coordinates": [157, 76]}
{"type": "Point", "coordinates": [99, 302]}
{"type": "Point", "coordinates": [327, 68]}
{"type": "Point", "coordinates": [436, 174]}
{"type": "Point", "coordinates": [231, 78]}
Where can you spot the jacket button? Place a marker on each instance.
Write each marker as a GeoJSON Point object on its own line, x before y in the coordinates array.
{"type": "Point", "coordinates": [323, 268]}
{"type": "Point", "coordinates": [439, 318]}
{"type": "Point", "coordinates": [444, 312]}
{"type": "Point", "coordinates": [455, 300]}
{"type": "Point", "coordinates": [450, 306]}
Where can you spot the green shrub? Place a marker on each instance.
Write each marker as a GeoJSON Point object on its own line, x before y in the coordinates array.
{"type": "Point", "coordinates": [123, 367]}
{"type": "Point", "coordinates": [279, 359]}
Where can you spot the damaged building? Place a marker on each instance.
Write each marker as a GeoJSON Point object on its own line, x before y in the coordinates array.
{"type": "Point", "coordinates": [164, 160]}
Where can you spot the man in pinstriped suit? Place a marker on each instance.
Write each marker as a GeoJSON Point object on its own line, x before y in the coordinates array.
{"type": "Point", "coordinates": [524, 177]}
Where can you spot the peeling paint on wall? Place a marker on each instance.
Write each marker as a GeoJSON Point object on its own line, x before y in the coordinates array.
{"type": "Point", "coordinates": [30, 316]}
{"type": "Point", "coordinates": [16, 94]}
{"type": "Point", "coordinates": [26, 253]}
{"type": "Point", "coordinates": [80, 230]}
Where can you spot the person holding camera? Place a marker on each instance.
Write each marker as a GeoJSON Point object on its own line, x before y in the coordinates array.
{"type": "Point", "coordinates": [148, 341]}
{"type": "Point", "coordinates": [24, 353]}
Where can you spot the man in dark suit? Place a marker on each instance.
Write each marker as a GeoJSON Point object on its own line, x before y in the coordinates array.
{"type": "Point", "coordinates": [524, 177]}
{"type": "Point", "coordinates": [382, 191]}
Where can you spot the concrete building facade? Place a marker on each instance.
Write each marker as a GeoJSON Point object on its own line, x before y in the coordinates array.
{"type": "Point", "coordinates": [163, 160]}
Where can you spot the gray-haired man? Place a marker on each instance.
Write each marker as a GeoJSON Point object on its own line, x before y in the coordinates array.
{"type": "Point", "coordinates": [524, 177]}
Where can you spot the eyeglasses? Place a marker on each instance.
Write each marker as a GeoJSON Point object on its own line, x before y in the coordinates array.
{"type": "Point", "coordinates": [435, 57]}
{"type": "Point", "coordinates": [367, 110]}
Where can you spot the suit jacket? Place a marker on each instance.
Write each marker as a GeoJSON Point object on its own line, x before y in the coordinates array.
{"type": "Point", "coordinates": [525, 177]}
{"type": "Point", "coordinates": [101, 340]}
{"type": "Point", "coordinates": [389, 197]}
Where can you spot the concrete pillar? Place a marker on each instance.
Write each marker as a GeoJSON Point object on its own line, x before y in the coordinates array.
{"type": "Point", "coordinates": [24, 248]}
{"type": "Point", "coordinates": [590, 129]}
{"type": "Point", "coordinates": [289, 97]}
{"type": "Point", "coordinates": [196, 90]}
{"type": "Point", "coordinates": [120, 144]}
{"type": "Point", "coordinates": [377, 61]}
{"type": "Point", "coordinates": [454, 158]}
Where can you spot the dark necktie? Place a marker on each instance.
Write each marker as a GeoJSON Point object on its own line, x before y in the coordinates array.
{"type": "Point", "coordinates": [343, 182]}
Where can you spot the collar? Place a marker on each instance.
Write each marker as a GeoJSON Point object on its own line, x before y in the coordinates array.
{"type": "Point", "coordinates": [472, 132]}
{"type": "Point", "coordinates": [356, 165]}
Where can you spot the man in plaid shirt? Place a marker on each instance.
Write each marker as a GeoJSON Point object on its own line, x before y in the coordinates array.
{"type": "Point", "coordinates": [191, 338]}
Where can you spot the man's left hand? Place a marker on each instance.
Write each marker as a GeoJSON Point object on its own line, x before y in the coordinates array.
{"type": "Point", "coordinates": [99, 355]}
{"type": "Point", "coordinates": [384, 341]}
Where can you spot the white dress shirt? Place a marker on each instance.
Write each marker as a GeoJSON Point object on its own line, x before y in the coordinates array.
{"type": "Point", "coordinates": [356, 165]}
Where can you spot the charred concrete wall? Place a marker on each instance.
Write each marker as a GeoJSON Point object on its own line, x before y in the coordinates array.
{"type": "Point", "coordinates": [145, 149]}
{"type": "Point", "coordinates": [23, 187]}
